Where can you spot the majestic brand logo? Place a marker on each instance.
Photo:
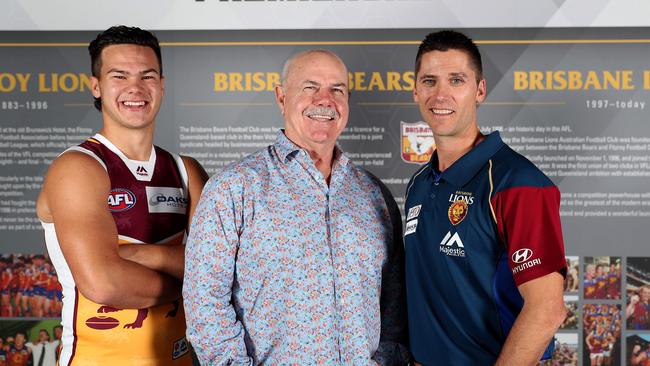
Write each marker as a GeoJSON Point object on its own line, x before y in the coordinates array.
{"type": "Point", "coordinates": [448, 242]}
{"type": "Point", "coordinates": [413, 212]}
{"type": "Point", "coordinates": [120, 199]}
{"type": "Point", "coordinates": [417, 142]}
{"type": "Point", "coordinates": [167, 200]}
{"type": "Point", "coordinates": [457, 211]}
{"type": "Point", "coordinates": [522, 255]}
{"type": "Point", "coordinates": [142, 171]}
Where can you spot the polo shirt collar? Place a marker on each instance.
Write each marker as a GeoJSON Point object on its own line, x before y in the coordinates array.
{"type": "Point", "coordinates": [286, 150]}
{"type": "Point", "coordinates": [463, 169]}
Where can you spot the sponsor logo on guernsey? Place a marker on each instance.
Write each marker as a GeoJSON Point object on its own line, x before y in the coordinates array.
{"type": "Point", "coordinates": [120, 199]}
{"type": "Point", "coordinates": [452, 245]}
{"type": "Point", "coordinates": [141, 171]}
{"type": "Point", "coordinates": [410, 227]}
{"type": "Point", "coordinates": [413, 212]}
{"type": "Point", "coordinates": [166, 200]}
{"type": "Point", "coordinates": [457, 211]}
{"type": "Point", "coordinates": [522, 258]}
{"type": "Point", "coordinates": [180, 348]}
{"type": "Point", "coordinates": [417, 142]}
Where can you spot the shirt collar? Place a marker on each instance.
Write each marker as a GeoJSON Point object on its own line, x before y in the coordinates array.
{"type": "Point", "coordinates": [286, 150]}
{"type": "Point", "coordinates": [463, 169]}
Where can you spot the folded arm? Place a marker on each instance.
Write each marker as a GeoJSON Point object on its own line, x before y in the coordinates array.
{"type": "Point", "coordinates": [76, 204]}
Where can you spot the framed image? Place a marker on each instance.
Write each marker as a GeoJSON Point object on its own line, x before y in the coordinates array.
{"type": "Point", "coordinates": [637, 290]}
{"type": "Point", "coordinates": [602, 278]}
{"type": "Point", "coordinates": [572, 280]}
{"type": "Point", "coordinates": [29, 287]}
{"type": "Point", "coordinates": [638, 350]}
{"type": "Point", "coordinates": [566, 351]}
{"type": "Point", "coordinates": [571, 320]}
{"type": "Point", "coordinates": [601, 334]}
{"type": "Point", "coordinates": [30, 342]}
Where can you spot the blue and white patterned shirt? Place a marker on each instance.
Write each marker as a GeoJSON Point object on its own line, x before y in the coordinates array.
{"type": "Point", "coordinates": [282, 269]}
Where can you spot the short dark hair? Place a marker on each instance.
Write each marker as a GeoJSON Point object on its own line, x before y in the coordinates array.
{"type": "Point", "coordinates": [120, 34]}
{"type": "Point", "coordinates": [451, 40]}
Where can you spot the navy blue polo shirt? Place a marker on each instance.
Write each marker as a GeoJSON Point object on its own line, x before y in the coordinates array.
{"type": "Point", "coordinates": [475, 232]}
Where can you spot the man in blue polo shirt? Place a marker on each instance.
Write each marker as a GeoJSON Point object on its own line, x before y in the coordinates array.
{"type": "Point", "coordinates": [484, 251]}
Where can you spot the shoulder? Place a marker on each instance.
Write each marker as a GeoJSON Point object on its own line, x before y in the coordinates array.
{"type": "Point", "coordinates": [72, 173]}
{"type": "Point", "coordinates": [511, 169]}
{"type": "Point", "coordinates": [240, 174]}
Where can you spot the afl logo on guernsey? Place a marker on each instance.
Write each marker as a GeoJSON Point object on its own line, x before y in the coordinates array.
{"type": "Point", "coordinates": [120, 199]}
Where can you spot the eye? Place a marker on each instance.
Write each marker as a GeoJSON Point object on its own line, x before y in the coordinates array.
{"type": "Point", "coordinates": [338, 91]}
{"type": "Point", "coordinates": [428, 82]}
{"type": "Point", "coordinates": [118, 76]}
{"type": "Point", "coordinates": [148, 77]}
{"type": "Point", "coordinates": [457, 81]}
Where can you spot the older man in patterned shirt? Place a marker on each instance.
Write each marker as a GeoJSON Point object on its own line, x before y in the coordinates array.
{"type": "Point", "coordinates": [295, 254]}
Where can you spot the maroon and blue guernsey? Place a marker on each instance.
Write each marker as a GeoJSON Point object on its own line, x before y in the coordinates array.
{"type": "Point", "coordinates": [487, 224]}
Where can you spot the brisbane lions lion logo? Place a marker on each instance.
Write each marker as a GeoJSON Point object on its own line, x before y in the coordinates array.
{"type": "Point", "coordinates": [457, 211]}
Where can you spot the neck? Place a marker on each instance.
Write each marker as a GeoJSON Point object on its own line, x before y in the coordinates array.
{"type": "Point", "coordinates": [135, 144]}
{"type": "Point", "coordinates": [450, 149]}
{"type": "Point", "coordinates": [323, 161]}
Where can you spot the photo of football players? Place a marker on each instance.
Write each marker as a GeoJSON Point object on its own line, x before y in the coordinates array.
{"type": "Point", "coordinates": [572, 279]}
{"type": "Point", "coordinates": [602, 334]}
{"type": "Point", "coordinates": [602, 278]}
{"type": "Point", "coordinates": [571, 321]}
{"type": "Point", "coordinates": [638, 350]}
{"type": "Point", "coordinates": [566, 351]}
{"type": "Point", "coordinates": [637, 311]}
{"type": "Point", "coordinates": [28, 343]}
{"type": "Point", "coordinates": [29, 287]}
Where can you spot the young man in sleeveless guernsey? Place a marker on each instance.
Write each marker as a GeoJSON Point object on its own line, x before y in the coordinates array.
{"type": "Point", "coordinates": [121, 265]}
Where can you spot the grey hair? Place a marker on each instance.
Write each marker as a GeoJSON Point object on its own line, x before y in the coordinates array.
{"type": "Point", "coordinates": [288, 64]}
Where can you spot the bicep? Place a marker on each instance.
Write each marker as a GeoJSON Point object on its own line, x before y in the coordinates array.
{"type": "Point", "coordinates": [77, 204]}
{"type": "Point", "coordinates": [544, 289]}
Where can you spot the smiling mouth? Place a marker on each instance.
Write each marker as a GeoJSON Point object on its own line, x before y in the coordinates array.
{"type": "Point", "coordinates": [441, 111]}
{"type": "Point", "coordinates": [321, 118]}
{"type": "Point", "coordinates": [134, 104]}
{"type": "Point", "coordinates": [321, 114]}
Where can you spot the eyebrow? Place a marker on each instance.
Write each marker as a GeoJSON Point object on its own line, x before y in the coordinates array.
{"type": "Point", "coordinates": [118, 71]}
{"type": "Point", "coordinates": [452, 74]}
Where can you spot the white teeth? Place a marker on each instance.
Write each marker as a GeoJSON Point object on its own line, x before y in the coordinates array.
{"type": "Point", "coordinates": [442, 111]}
{"type": "Point", "coordinates": [317, 116]}
{"type": "Point", "coordinates": [133, 104]}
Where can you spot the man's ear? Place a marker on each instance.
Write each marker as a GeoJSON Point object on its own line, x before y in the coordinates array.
{"type": "Point", "coordinates": [94, 87]}
{"type": "Point", "coordinates": [481, 91]}
{"type": "Point", "coordinates": [280, 97]}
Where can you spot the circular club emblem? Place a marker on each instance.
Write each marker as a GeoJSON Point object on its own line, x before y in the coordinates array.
{"type": "Point", "coordinates": [522, 255]}
{"type": "Point", "coordinates": [457, 211]}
